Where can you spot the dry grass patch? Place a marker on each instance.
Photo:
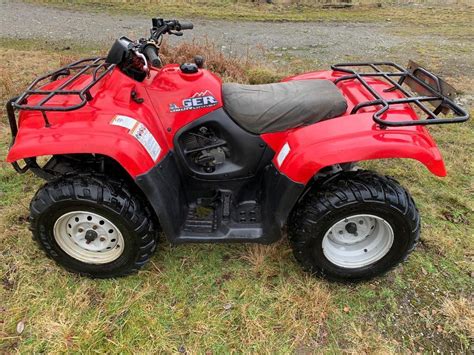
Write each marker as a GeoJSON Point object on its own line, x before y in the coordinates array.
{"type": "Point", "coordinates": [228, 67]}
{"type": "Point", "coordinates": [292, 312]}
{"type": "Point", "coordinates": [242, 69]}
{"type": "Point", "coordinates": [7, 85]}
{"type": "Point", "coordinates": [460, 314]}
{"type": "Point", "coordinates": [266, 260]}
{"type": "Point", "coordinates": [364, 339]}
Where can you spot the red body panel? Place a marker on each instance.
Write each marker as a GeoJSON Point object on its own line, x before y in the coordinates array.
{"type": "Point", "coordinates": [88, 130]}
{"type": "Point", "coordinates": [170, 86]}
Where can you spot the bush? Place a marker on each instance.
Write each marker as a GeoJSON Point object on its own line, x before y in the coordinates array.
{"type": "Point", "coordinates": [229, 68]}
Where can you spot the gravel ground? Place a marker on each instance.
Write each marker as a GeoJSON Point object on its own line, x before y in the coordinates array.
{"type": "Point", "coordinates": [323, 40]}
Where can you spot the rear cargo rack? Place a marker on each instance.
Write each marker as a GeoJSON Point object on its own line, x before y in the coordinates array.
{"type": "Point", "coordinates": [423, 87]}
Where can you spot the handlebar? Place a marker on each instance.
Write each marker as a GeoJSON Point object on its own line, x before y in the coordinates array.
{"type": "Point", "coordinates": [152, 54]}
{"type": "Point", "coordinates": [160, 27]}
{"type": "Point", "coordinates": [147, 49]}
{"type": "Point", "coordinates": [186, 26]}
{"type": "Point", "coordinates": [173, 27]}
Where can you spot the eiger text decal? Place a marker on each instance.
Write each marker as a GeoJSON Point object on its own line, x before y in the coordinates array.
{"type": "Point", "coordinates": [198, 100]}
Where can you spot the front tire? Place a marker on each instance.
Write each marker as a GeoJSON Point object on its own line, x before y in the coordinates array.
{"type": "Point", "coordinates": [93, 226]}
{"type": "Point", "coordinates": [355, 226]}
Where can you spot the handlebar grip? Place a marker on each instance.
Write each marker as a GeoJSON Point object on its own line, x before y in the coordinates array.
{"type": "Point", "coordinates": [151, 53]}
{"type": "Point", "coordinates": [186, 26]}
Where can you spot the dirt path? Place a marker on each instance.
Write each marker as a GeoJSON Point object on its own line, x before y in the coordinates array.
{"type": "Point", "coordinates": [323, 40]}
{"type": "Point", "coordinates": [320, 42]}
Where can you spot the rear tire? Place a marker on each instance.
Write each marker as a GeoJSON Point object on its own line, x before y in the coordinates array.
{"type": "Point", "coordinates": [93, 226]}
{"type": "Point", "coordinates": [355, 226]}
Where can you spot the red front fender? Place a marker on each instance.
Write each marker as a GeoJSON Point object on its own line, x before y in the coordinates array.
{"type": "Point", "coordinates": [90, 128]}
{"type": "Point", "coordinates": [349, 139]}
{"type": "Point", "coordinates": [85, 132]}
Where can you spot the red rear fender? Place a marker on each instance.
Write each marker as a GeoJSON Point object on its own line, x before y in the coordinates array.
{"type": "Point", "coordinates": [350, 139]}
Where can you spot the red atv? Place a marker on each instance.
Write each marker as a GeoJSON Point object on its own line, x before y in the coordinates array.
{"type": "Point", "coordinates": [134, 148]}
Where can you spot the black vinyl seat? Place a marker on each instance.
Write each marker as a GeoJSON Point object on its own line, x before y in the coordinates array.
{"type": "Point", "coordinates": [281, 106]}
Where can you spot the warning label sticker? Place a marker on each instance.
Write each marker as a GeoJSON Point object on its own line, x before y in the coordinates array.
{"type": "Point", "coordinates": [141, 134]}
{"type": "Point", "coordinates": [144, 136]}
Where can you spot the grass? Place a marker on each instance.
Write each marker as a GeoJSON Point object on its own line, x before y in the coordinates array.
{"type": "Point", "coordinates": [452, 21]}
{"type": "Point", "coordinates": [422, 16]}
{"type": "Point", "coordinates": [241, 298]}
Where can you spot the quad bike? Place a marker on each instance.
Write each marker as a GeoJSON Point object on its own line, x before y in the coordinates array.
{"type": "Point", "coordinates": [131, 148]}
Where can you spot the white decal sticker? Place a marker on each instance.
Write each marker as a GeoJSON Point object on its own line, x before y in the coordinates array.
{"type": "Point", "coordinates": [140, 132]}
{"type": "Point", "coordinates": [123, 121]}
{"type": "Point", "coordinates": [144, 136]}
{"type": "Point", "coordinates": [283, 154]}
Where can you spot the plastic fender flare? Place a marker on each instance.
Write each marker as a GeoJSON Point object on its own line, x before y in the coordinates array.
{"type": "Point", "coordinates": [95, 136]}
{"type": "Point", "coordinates": [350, 139]}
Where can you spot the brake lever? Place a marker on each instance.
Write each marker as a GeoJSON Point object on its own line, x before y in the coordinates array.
{"type": "Point", "coordinates": [176, 33]}
{"type": "Point", "coordinates": [142, 56]}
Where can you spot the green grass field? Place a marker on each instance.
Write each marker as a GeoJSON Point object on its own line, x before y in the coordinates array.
{"type": "Point", "coordinates": [217, 299]}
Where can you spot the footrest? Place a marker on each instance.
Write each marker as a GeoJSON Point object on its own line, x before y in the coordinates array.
{"type": "Point", "coordinates": [249, 213]}
{"type": "Point", "coordinates": [201, 220]}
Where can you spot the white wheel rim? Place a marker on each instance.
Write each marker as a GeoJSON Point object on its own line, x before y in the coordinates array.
{"type": "Point", "coordinates": [88, 237]}
{"type": "Point", "coordinates": [358, 241]}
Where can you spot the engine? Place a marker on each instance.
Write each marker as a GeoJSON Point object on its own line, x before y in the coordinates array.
{"type": "Point", "coordinates": [205, 149]}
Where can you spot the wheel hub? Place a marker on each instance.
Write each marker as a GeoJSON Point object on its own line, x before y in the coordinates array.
{"type": "Point", "coordinates": [358, 241]}
{"type": "Point", "coordinates": [88, 237]}
{"type": "Point", "coordinates": [351, 228]}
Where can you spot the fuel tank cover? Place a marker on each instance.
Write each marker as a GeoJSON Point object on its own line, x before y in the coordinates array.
{"type": "Point", "coordinates": [189, 68]}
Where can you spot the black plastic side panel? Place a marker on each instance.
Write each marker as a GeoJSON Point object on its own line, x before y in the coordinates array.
{"type": "Point", "coordinates": [280, 196]}
{"type": "Point", "coordinates": [246, 199]}
{"type": "Point", "coordinates": [246, 149]}
{"type": "Point", "coordinates": [163, 187]}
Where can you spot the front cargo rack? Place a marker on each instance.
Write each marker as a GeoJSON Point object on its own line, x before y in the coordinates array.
{"type": "Point", "coordinates": [96, 67]}
{"type": "Point", "coordinates": [421, 87]}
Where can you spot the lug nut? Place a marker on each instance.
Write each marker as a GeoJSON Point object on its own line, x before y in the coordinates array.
{"type": "Point", "coordinates": [102, 239]}
{"type": "Point", "coordinates": [80, 230]}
